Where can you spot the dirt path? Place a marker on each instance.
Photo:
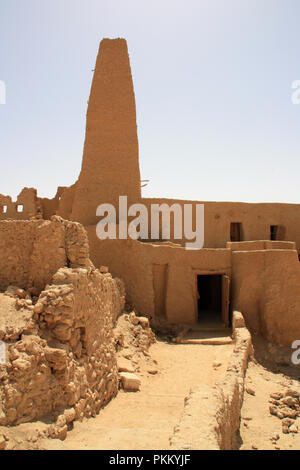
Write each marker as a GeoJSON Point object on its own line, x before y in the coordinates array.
{"type": "Point", "coordinates": [145, 420]}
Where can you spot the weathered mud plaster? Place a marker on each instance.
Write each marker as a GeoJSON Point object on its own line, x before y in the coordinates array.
{"type": "Point", "coordinates": [32, 251]}
{"type": "Point", "coordinates": [61, 359]}
{"type": "Point", "coordinates": [27, 206]}
{"type": "Point", "coordinates": [110, 165]}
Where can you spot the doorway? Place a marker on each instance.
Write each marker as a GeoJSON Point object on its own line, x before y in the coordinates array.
{"type": "Point", "coordinates": [273, 232]}
{"type": "Point", "coordinates": [235, 232]}
{"type": "Point", "coordinates": [213, 299]}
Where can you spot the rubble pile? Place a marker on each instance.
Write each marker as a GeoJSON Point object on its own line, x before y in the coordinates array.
{"type": "Point", "coordinates": [286, 406]}
{"type": "Point", "coordinates": [133, 337]}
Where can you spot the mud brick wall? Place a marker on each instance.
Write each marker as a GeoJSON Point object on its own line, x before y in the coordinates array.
{"type": "Point", "coordinates": [26, 206]}
{"type": "Point", "coordinates": [32, 251]}
{"type": "Point", "coordinates": [61, 360]}
{"type": "Point", "coordinates": [70, 364]}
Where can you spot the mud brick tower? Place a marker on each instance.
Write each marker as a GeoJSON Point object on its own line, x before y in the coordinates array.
{"type": "Point", "coordinates": [110, 164]}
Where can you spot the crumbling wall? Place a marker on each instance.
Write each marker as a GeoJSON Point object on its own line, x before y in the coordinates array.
{"type": "Point", "coordinates": [69, 363]}
{"type": "Point", "coordinates": [65, 205]}
{"type": "Point", "coordinates": [26, 206]}
{"type": "Point", "coordinates": [32, 251]}
{"type": "Point", "coordinates": [61, 361]}
{"type": "Point", "coordinates": [231, 390]}
{"type": "Point", "coordinates": [29, 206]}
{"type": "Point", "coordinates": [16, 245]}
{"type": "Point", "coordinates": [50, 206]}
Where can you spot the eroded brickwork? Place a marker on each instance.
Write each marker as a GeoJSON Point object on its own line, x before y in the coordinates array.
{"type": "Point", "coordinates": [61, 360]}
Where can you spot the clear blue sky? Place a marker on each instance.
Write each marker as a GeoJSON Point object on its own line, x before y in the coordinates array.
{"type": "Point", "coordinates": [213, 91]}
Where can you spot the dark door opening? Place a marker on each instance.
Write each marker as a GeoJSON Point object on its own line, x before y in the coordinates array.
{"type": "Point", "coordinates": [273, 232]}
{"type": "Point", "coordinates": [213, 298]}
{"type": "Point", "coordinates": [235, 232]}
{"type": "Point", "coordinates": [277, 232]}
{"type": "Point", "coordinates": [209, 295]}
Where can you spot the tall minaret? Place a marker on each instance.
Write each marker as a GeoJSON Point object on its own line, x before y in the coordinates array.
{"type": "Point", "coordinates": [110, 166]}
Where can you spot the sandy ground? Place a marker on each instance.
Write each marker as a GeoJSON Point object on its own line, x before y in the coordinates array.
{"type": "Point", "coordinates": [145, 419]}
{"type": "Point", "coordinates": [258, 425]}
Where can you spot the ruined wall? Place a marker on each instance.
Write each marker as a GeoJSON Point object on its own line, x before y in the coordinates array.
{"type": "Point", "coordinates": [65, 204]}
{"type": "Point", "coordinates": [110, 164]}
{"type": "Point", "coordinates": [61, 362]}
{"type": "Point", "coordinates": [32, 251]}
{"type": "Point", "coordinates": [266, 288]}
{"type": "Point", "coordinates": [26, 206]}
{"type": "Point", "coordinates": [50, 206]}
{"type": "Point", "coordinates": [16, 246]}
{"type": "Point", "coordinates": [30, 206]}
{"type": "Point", "coordinates": [70, 363]}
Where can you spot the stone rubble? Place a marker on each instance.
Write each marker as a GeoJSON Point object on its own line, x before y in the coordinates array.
{"type": "Point", "coordinates": [133, 337]}
{"type": "Point", "coordinates": [286, 406]}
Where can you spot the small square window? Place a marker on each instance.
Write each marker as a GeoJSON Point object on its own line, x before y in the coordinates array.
{"type": "Point", "coordinates": [20, 208]}
{"type": "Point", "coordinates": [4, 209]}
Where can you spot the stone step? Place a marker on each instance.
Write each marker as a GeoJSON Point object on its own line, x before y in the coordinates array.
{"type": "Point", "coordinates": [196, 335]}
{"type": "Point", "coordinates": [213, 341]}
